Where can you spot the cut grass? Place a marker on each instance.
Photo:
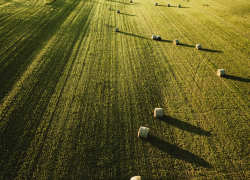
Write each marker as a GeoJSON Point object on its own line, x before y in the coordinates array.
{"type": "Point", "coordinates": [73, 92]}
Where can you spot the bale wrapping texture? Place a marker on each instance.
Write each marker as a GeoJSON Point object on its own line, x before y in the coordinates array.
{"type": "Point", "coordinates": [116, 29]}
{"type": "Point", "coordinates": [168, 5]}
{"type": "Point", "coordinates": [156, 4]}
{"type": "Point", "coordinates": [221, 72]}
{"type": "Point", "coordinates": [154, 37]}
{"type": "Point", "coordinates": [136, 178]}
{"type": "Point", "coordinates": [143, 132]}
{"type": "Point", "coordinates": [118, 11]}
{"type": "Point", "coordinates": [198, 47]}
{"type": "Point", "coordinates": [158, 112]}
{"type": "Point", "coordinates": [179, 6]}
{"type": "Point", "coordinates": [176, 42]}
{"type": "Point", "coordinates": [158, 38]}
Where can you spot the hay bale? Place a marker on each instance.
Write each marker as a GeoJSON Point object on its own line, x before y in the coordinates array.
{"type": "Point", "coordinates": [176, 42]}
{"type": "Point", "coordinates": [158, 112]}
{"type": "Point", "coordinates": [158, 38]}
{"type": "Point", "coordinates": [143, 132]}
{"type": "Point", "coordinates": [221, 72]}
{"type": "Point", "coordinates": [116, 29]}
{"type": "Point", "coordinates": [156, 4]}
{"type": "Point", "coordinates": [168, 5]}
{"type": "Point", "coordinates": [136, 178]}
{"type": "Point", "coordinates": [154, 37]}
{"type": "Point", "coordinates": [179, 6]}
{"type": "Point", "coordinates": [118, 11]}
{"type": "Point", "coordinates": [130, 1]}
{"type": "Point", "coordinates": [198, 47]}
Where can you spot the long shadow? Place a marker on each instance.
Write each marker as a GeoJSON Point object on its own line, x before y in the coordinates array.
{"type": "Point", "coordinates": [211, 50]}
{"type": "Point", "coordinates": [132, 35]}
{"type": "Point", "coordinates": [177, 152]}
{"type": "Point", "coordinates": [185, 126]}
{"type": "Point", "coordinates": [167, 41]}
{"type": "Point", "coordinates": [162, 5]}
{"type": "Point", "coordinates": [236, 78]}
{"type": "Point", "coordinates": [127, 14]}
{"type": "Point", "coordinates": [186, 45]}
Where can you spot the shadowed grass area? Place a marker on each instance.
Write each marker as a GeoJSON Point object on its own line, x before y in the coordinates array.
{"type": "Point", "coordinates": [177, 152]}
{"type": "Point", "coordinates": [211, 50]}
{"type": "Point", "coordinates": [236, 78]}
{"type": "Point", "coordinates": [127, 14]}
{"type": "Point", "coordinates": [185, 126]}
{"type": "Point", "coordinates": [130, 34]}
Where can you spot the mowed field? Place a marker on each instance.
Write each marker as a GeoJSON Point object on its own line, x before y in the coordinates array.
{"type": "Point", "coordinates": [73, 93]}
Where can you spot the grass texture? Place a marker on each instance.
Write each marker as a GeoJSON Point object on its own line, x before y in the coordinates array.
{"type": "Point", "coordinates": [74, 92]}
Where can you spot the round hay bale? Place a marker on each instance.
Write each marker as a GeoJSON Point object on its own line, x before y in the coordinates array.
{"type": "Point", "coordinates": [168, 5]}
{"type": "Point", "coordinates": [154, 37]}
{"type": "Point", "coordinates": [118, 11]}
{"type": "Point", "coordinates": [130, 1]}
{"type": "Point", "coordinates": [158, 38]}
{"type": "Point", "coordinates": [143, 132]}
{"type": "Point", "coordinates": [179, 6]}
{"type": "Point", "coordinates": [116, 29]}
{"type": "Point", "coordinates": [198, 47]}
{"type": "Point", "coordinates": [156, 4]}
{"type": "Point", "coordinates": [136, 178]}
{"type": "Point", "coordinates": [158, 112]}
{"type": "Point", "coordinates": [221, 72]}
{"type": "Point", "coordinates": [176, 42]}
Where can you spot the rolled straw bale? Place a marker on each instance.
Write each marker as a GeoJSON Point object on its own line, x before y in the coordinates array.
{"type": "Point", "coordinates": [158, 112]}
{"type": "Point", "coordinates": [198, 47]}
{"type": "Point", "coordinates": [158, 38]}
{"type": "Point", "coordinates": [176, 42]}
{"type": "Point", "coordinates": [156, 4]}
{"type": "Point", "coordinates": [143, 132]}
{"type": "Point", "coordinates": [168, 5]}
{"type": "Point", "coordinates": [179, 6]}
{"type": "Point", "coordinates": [116, 29]}
{"type": "Point", "coordinates": [130, 1]}
{"type": "Point", "coordinates": [136, 178]}
{"type": "Point", "coordinates": [221, 72]}
{"type": "Point", "coordinates": [118, 11]}
{"type": "Point", "coordinates": [154, 37]}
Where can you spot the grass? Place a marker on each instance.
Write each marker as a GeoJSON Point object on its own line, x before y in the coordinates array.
{"type": "Point", "coordinates": [74, 93]}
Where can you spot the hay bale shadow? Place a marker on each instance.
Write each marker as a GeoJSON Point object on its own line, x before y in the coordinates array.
{"type": "Point", "coordinates": [130, 34]}
{"type": "Point", "coordinates": [177, 152]}
{"type": "Point", "coordinates": [128, 14]}
{"type": "Point", "coordinates": [186, 45]}
{"type": "Point", "coordinates": [211, 50]}
{"type": "Point", "coordinates": [236, 78]}
{"type": "Point", "coordinates": [166, 41]}
{"type": "Point", "coordinates": [185, 126]}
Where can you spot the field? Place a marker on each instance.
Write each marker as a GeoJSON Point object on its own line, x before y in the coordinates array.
{"type": "Point", "coordinates": [74, 92]}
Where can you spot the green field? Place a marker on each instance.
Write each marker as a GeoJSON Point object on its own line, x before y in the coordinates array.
{"type": "Point", "coordinates": [74, 92]}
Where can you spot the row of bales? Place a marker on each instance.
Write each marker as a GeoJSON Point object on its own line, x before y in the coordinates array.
{"type": "Point", "coordinates": [143, 132]}
{"type": "Point", "coordinates": [168, 5]}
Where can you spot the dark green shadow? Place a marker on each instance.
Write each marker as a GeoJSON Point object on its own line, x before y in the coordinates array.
{"type": "Point", "coordinates": [185, 126]}
{"type": "Point", "coordinates": [127, 14]}
{"type": "Point", "coordinates": [236, 78]}
{"type": "Point", "coordinates": [130, 34]}
{"type": "Point", "coordinates": [177, 152]}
